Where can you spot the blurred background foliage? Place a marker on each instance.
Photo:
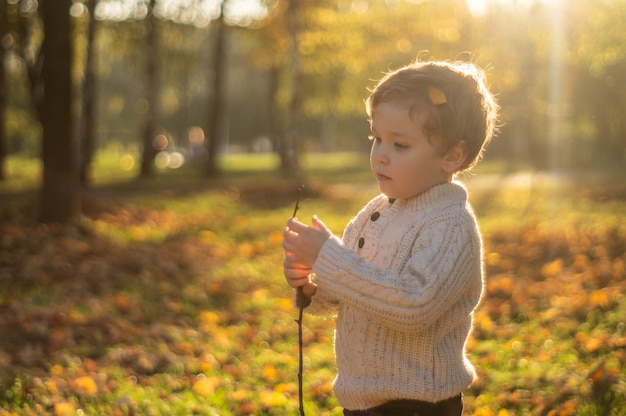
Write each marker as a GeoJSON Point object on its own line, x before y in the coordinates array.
{"type": "Point", "coordinates": [557, 68]}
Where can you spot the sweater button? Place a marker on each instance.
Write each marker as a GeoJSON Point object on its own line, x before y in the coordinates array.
{"type": "Point", "coordinates": [361, 242]}
{"type": "Point", "coordinates": [375, 216]}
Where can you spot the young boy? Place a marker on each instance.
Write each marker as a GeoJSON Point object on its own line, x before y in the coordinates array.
{"type": "Point", "coordinates": [407, 275]}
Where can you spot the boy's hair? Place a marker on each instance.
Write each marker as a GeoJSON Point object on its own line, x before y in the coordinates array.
{"type": "Point", "coordinates": [454, 97]}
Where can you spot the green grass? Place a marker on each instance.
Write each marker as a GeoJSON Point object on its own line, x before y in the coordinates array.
{"type": "Point", "coordinates": [168, 296]}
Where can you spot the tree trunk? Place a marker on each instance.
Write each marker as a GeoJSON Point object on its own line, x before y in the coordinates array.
{"type": "Point", "coordinates": [289, 150]}
{"type": "Point", "coordinates": [272, 108]}
{"type": "Point", "coordinates": [60, 194]}
{"type": "Point", "coordinates": [216, 98]}
{"type": "Point", "coordinates": [152, 93]}
{"type": "Point", "coordinates": [87, 121]}
{"type": "Point", "coordinates": [3, 89]}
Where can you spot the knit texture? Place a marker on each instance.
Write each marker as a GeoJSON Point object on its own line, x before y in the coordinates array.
{"type": "Point", "coordinates": [404, 282]}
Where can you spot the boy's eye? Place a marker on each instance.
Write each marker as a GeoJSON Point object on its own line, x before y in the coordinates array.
{"type": "Point", "coordinates": [396, 145]}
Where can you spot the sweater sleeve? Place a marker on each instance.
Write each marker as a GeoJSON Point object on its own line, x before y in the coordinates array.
{"type": "Point", "coordinates": [325, 302]}
{"type": "Point", "coordinates": [444, 265]}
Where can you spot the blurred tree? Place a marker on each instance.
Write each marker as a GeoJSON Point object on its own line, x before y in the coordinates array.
{"type": "Point", "coordinates": [184, 79]}
{"type": "Point", "coordinates": [151, 92]}
{"type": "Point", "coordinates": [268, 57]}
{"type": "Point", "coordinates": [597, 83]}
{"type": "Point", "coordinates": [87, 122]}
{"type": "Point", "coordinates": [216, 93]}
{"type": "Point", "coordinates": [27, 39]}
{"type": "Point", "coordinates": [289, 150]}
{"type": "Point", "coordinates": [4, 41]}
{"type": "Point", "coordinates": [121, 85]}
{"type": "Point", "coordinates": [60, 193]}
{"type": "Point", "coordinates": [518, 78]}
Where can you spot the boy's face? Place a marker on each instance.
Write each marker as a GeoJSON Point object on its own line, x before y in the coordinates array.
{"type": "Point", "coordinates": [403, 160]}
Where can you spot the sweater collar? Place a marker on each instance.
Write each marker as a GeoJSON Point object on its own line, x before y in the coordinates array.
{"type": "Point", "coordinates": [438, 196]}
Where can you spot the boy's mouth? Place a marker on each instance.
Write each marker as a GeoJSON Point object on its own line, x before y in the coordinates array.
{"type": "Point", "coordinates": [382, 177]}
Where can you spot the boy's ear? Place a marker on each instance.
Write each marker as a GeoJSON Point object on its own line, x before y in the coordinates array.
{"type": "Point", "coordinates": [454, 159]}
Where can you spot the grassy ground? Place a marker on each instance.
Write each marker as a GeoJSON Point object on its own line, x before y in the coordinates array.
{"type": "Point", "coordinates": [167, 297]}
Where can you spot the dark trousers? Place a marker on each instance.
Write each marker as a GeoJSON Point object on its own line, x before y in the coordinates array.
{"type": "Point", "coordinates": [449, 407]}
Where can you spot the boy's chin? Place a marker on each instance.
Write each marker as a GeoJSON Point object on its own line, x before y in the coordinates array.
{"type": "Point", "coordinates": [389, 195]}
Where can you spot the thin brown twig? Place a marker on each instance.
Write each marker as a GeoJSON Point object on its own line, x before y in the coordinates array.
{"type": "Point", "coordinates": [300, 301]}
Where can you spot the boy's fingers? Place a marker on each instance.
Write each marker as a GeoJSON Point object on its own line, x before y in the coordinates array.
{"type": "Point", "coordinates": [297, 277]}
{"type": "Point", "coordinates": [295, 269]}
{"type": "Point", "coordinates": [288, 239]}
{"type": "Point", "coordinates": [288, 233]}
{"type": "Point", "coordinates": [298, 283]}
{"type": "Point", "coordinates": [320, 226]}
{"type": "Point", "coordinates": [295, 225]}
{"type": "Point", "coordinates": [290, 263]}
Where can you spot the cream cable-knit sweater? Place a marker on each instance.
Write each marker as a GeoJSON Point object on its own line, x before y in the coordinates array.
{"type": "Point", "coordinates": [404, 283]}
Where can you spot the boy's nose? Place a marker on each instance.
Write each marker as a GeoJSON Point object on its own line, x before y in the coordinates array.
{"type": "Point", "coordinates": [381, 157]}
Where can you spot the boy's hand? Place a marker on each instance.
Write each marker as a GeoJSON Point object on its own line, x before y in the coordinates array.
{"type": "Point", "coordinates": [302, 243]}
{"type": "Point", "coordinates": [300, 276]}
{"type": "Point", "coordinates": [296, 274]}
